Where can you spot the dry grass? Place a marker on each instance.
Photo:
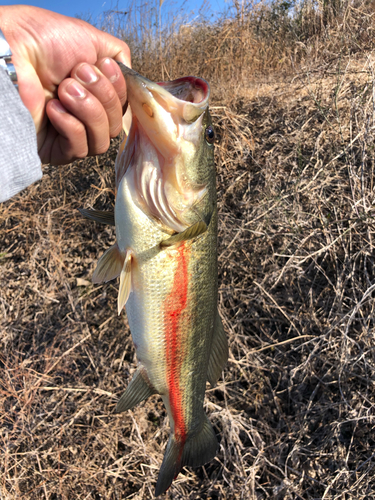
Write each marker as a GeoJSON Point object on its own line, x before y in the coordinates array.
{"type": "Point", "coordinates": [295, 411]}
{"type": "Point", "coordinates": [250, 40]}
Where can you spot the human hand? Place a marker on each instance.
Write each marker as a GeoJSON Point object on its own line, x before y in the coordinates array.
{"type": "Point", "coordinates": [73, 89]}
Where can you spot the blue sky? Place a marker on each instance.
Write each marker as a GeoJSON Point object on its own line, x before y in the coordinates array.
{"type": "Point", "coordinates": [84, 8]}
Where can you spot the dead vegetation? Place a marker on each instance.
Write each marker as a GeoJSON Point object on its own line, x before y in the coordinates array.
{"type": "Point", "coordinates": [294, 412]}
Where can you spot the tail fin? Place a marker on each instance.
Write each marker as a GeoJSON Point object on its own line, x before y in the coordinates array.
{"type": "Point", "coordinates": [197, 450]}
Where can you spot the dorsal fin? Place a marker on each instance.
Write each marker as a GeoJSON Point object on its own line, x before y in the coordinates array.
{"type": "Point", "coordinates": [219, 352]}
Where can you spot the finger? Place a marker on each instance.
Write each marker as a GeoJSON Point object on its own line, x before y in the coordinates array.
{"type": "Point", "coordinates": [100, 87]}
{"type": "Point", "coordinates": [66, 138]}
{"type": "Point", "coordinates": [112, 71]}
{"type": "Point", "coordinates": [109, 46]}
{"type": "Point", "coordinates": [88, 110]}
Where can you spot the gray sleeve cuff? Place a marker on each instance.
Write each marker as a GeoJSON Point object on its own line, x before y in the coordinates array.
{"type": "Point", "coordinates": [19, 161]}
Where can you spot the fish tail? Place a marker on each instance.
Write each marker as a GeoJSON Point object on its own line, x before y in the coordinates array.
{"type": "Point", "coordinates": [197, 450]}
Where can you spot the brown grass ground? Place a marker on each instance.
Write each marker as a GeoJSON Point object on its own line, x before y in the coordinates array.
{"type": "Point", "coordinates": [295, 409]}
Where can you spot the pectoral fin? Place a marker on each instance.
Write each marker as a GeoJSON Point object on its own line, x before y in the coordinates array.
{"type": "Point", "coordinates": [98, 216]}
{"type": "Point", "coordinates": [125, 282]}
{"type": "Point", "coordinates": [219, 352]}
{"type": "Point", "coordinates": [189, 233]}
{"type": "Point", "coordinates": [138, 390]}
{"type": "Point", "coordinates": [109, 265]}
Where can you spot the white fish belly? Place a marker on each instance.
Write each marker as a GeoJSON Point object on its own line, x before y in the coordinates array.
{"type": "Point", "coordinates": [152, 274]}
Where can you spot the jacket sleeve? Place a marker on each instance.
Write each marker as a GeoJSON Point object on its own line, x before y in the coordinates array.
{"type": "Point", "coordinates": [19, 161]}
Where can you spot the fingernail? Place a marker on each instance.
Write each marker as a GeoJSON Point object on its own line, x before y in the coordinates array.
{"type": "Point", "coordinates": [76, 90]}
{"type": "Point", "coordinates": [87, 74]}
{"type": "Point", "coordinates": [109, 68]}
{"type": "Point", "coordinates": [58, 106]}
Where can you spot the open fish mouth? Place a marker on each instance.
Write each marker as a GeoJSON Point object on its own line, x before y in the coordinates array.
{"type": "Point", "coordinates": [185, 99]}
{"type": "Point", "coordinates": [164, 136]}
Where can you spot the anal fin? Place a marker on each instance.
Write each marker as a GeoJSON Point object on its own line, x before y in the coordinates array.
{"type": "Point", "coordinates": [101, 216]}
{"type": "Point", "coordinates": [138, 390]}
{"type": "Point", "coordinates": [219, 352]}
{"type": "Point", "coordinates": [191, 232]}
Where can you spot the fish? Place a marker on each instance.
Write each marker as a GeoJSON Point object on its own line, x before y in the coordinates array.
{"type": "Point", "coordinates": [166, 257]}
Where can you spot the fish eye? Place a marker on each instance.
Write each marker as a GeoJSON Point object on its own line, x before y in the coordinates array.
{"type": "Point", "coordinates": [209, 135]}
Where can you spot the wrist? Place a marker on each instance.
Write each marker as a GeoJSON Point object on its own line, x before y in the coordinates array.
{"type": "Point", "coordinates": [6, 59]}
{"type": "Point", "coordinates": [16, 23]}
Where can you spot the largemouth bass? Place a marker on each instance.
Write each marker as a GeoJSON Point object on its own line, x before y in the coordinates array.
{"type": "Point", "coordinates": [166, 257]}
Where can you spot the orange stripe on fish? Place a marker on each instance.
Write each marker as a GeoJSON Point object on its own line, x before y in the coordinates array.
{"type": "Point", "coordinates": [174, 306]}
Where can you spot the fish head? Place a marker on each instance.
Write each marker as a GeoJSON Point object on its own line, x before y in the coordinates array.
{"type": "Point", "coordinates": [169, 150]}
